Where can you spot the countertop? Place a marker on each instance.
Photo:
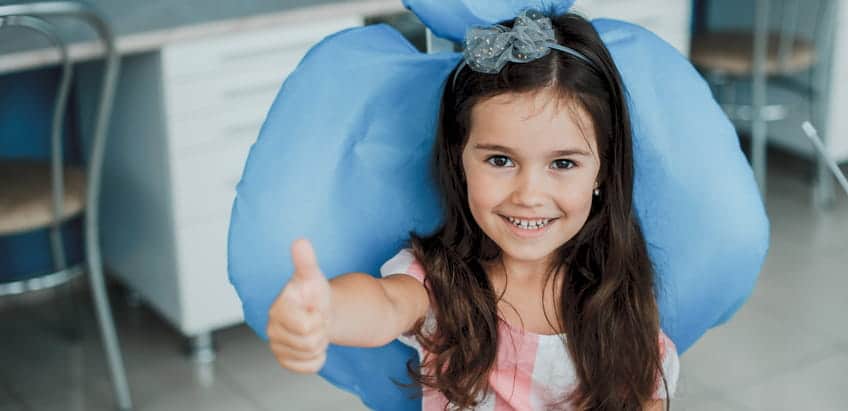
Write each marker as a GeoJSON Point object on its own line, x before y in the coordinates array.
{"type": "Point", "coordinates": [141, 26]}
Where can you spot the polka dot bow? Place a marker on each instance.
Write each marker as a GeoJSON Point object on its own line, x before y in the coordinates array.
{"type": "Point", "coordinates": [488, 49]}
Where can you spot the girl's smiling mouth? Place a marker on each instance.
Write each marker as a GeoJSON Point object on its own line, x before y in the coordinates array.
{"type": "Point", "coordinates": [528, 227]}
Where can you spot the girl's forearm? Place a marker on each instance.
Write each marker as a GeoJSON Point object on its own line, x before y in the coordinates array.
{"type": "Point", "coordinates": [362, 313]}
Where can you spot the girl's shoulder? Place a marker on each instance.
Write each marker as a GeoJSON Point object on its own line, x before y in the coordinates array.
{"type": "Point", "coordinates": [667, 346]}
{"type": "Point", "coordinates": [667, 386]}
{"type": "Point", "coordinates": [404, 262]}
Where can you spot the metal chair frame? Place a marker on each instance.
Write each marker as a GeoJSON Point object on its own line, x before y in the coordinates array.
{"type": "Point", "coordinates": [759, 112]}
{"type": "Point", "coordinates": [30, 16]}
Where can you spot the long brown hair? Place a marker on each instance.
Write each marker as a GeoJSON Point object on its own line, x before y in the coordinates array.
{"type": "Point", "coordinates": [606, 305]}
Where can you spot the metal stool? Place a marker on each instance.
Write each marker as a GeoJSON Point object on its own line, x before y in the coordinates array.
{"type": "Point", "coordinates": [769, 57]}
{"type": "Point", "coordinates": [34, 196]}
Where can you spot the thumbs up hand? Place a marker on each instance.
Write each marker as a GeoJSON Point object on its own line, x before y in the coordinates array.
{"type": "Point", "coordinates": [298, 321]}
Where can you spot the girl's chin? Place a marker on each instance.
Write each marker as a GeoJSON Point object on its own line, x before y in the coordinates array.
{"type": "Point", "coordinates": [527, 254]}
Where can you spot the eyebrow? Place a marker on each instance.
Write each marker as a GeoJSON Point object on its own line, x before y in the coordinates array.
{"type": "Point", "coordinates": [567, 152]}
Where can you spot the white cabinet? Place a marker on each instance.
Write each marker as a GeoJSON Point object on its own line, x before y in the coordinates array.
{"type": "Point", "coordinates": [184, 120]}
{"type": "Point", "coordinates": [669, 19]}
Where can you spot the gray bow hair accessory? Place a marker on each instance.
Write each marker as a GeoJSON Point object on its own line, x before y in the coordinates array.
{"type": "Point", "coordinates": [488, 49]}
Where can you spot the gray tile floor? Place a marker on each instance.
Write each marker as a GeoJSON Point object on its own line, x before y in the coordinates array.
{"type": "Point", "coordinates": [786, 349]}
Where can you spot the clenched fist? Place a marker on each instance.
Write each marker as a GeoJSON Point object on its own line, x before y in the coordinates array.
{"type": "Point", "coordinates": [298, 321]}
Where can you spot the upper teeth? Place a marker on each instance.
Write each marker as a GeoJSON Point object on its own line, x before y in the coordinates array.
{"type": "Point", "coordinates": [529, 223]}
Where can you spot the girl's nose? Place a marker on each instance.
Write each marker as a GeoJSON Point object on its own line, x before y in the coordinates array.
{"type": "Point", "coordinates": [529, 190]}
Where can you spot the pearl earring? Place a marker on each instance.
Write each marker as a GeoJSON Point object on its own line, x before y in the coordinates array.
{"type": "Point", "coordinates": [597, 192]}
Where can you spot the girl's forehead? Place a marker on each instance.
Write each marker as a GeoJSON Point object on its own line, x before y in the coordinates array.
{"type": "Point", "coordinates": [532, 120]}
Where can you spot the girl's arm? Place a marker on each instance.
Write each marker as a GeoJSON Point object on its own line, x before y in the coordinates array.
{"type": "Point", "coordinates": [353, 309]}
{"type": "Point", "coordinates": [371, 312]}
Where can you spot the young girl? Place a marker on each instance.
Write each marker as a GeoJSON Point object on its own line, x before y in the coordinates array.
{"type": "Point", "coordinates": [537, 291]}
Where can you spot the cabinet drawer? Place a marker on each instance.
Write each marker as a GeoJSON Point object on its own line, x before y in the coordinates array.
{"type": "Point", "coordinates": [245, 49]}
{"type": "Point", "coordinates": [210, 300]}
{"type": "Point", "coordinates": [204, 181]}
{"type": "Point", "coordinates": [228, 89]}
{"type": "Point", "coordinates": [220, 124]}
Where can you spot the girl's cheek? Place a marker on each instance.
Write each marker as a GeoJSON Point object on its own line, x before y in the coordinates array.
{"type": "Point", "coordinates": [573, 185]}
{"type": "Point", "coordinates": [478, 178]}
{"type": "Point", "coordinates": [575, 194]}
{"type": "Point", "coordinates": [482, 193]}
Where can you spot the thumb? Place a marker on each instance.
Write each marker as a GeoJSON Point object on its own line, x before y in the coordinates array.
{"type": "Point", "coordinates": [305, 264]}
{"type": "Point", "coordinates": [313, 286]}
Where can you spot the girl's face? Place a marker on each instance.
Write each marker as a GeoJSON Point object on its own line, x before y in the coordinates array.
{"type": "Point", "coordinates": [530, 165]}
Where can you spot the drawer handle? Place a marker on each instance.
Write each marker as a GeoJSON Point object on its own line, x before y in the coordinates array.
{"type": "Point", "coordinates": [253, 90]}
{"type": "Point", "coordinates": [240, 56]}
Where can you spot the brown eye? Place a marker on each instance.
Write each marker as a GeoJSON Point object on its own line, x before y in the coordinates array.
{"type": "Point", "coordinates": [564, 164]}
{"type": "Point", "coordinates": [499, 161]}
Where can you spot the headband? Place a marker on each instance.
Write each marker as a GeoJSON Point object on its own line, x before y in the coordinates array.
{"type": "Point", "coordinates": [488, 49]}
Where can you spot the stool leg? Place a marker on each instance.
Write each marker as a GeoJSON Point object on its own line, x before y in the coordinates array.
{"type": "Point", "coordinates": [71, 320]}
{"type": "Point", "coordinates": [823, 190]}
{"type": "Point", "coordinates": [758, 128]}
{"type": "Point", "coordinates": [107, 326]}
